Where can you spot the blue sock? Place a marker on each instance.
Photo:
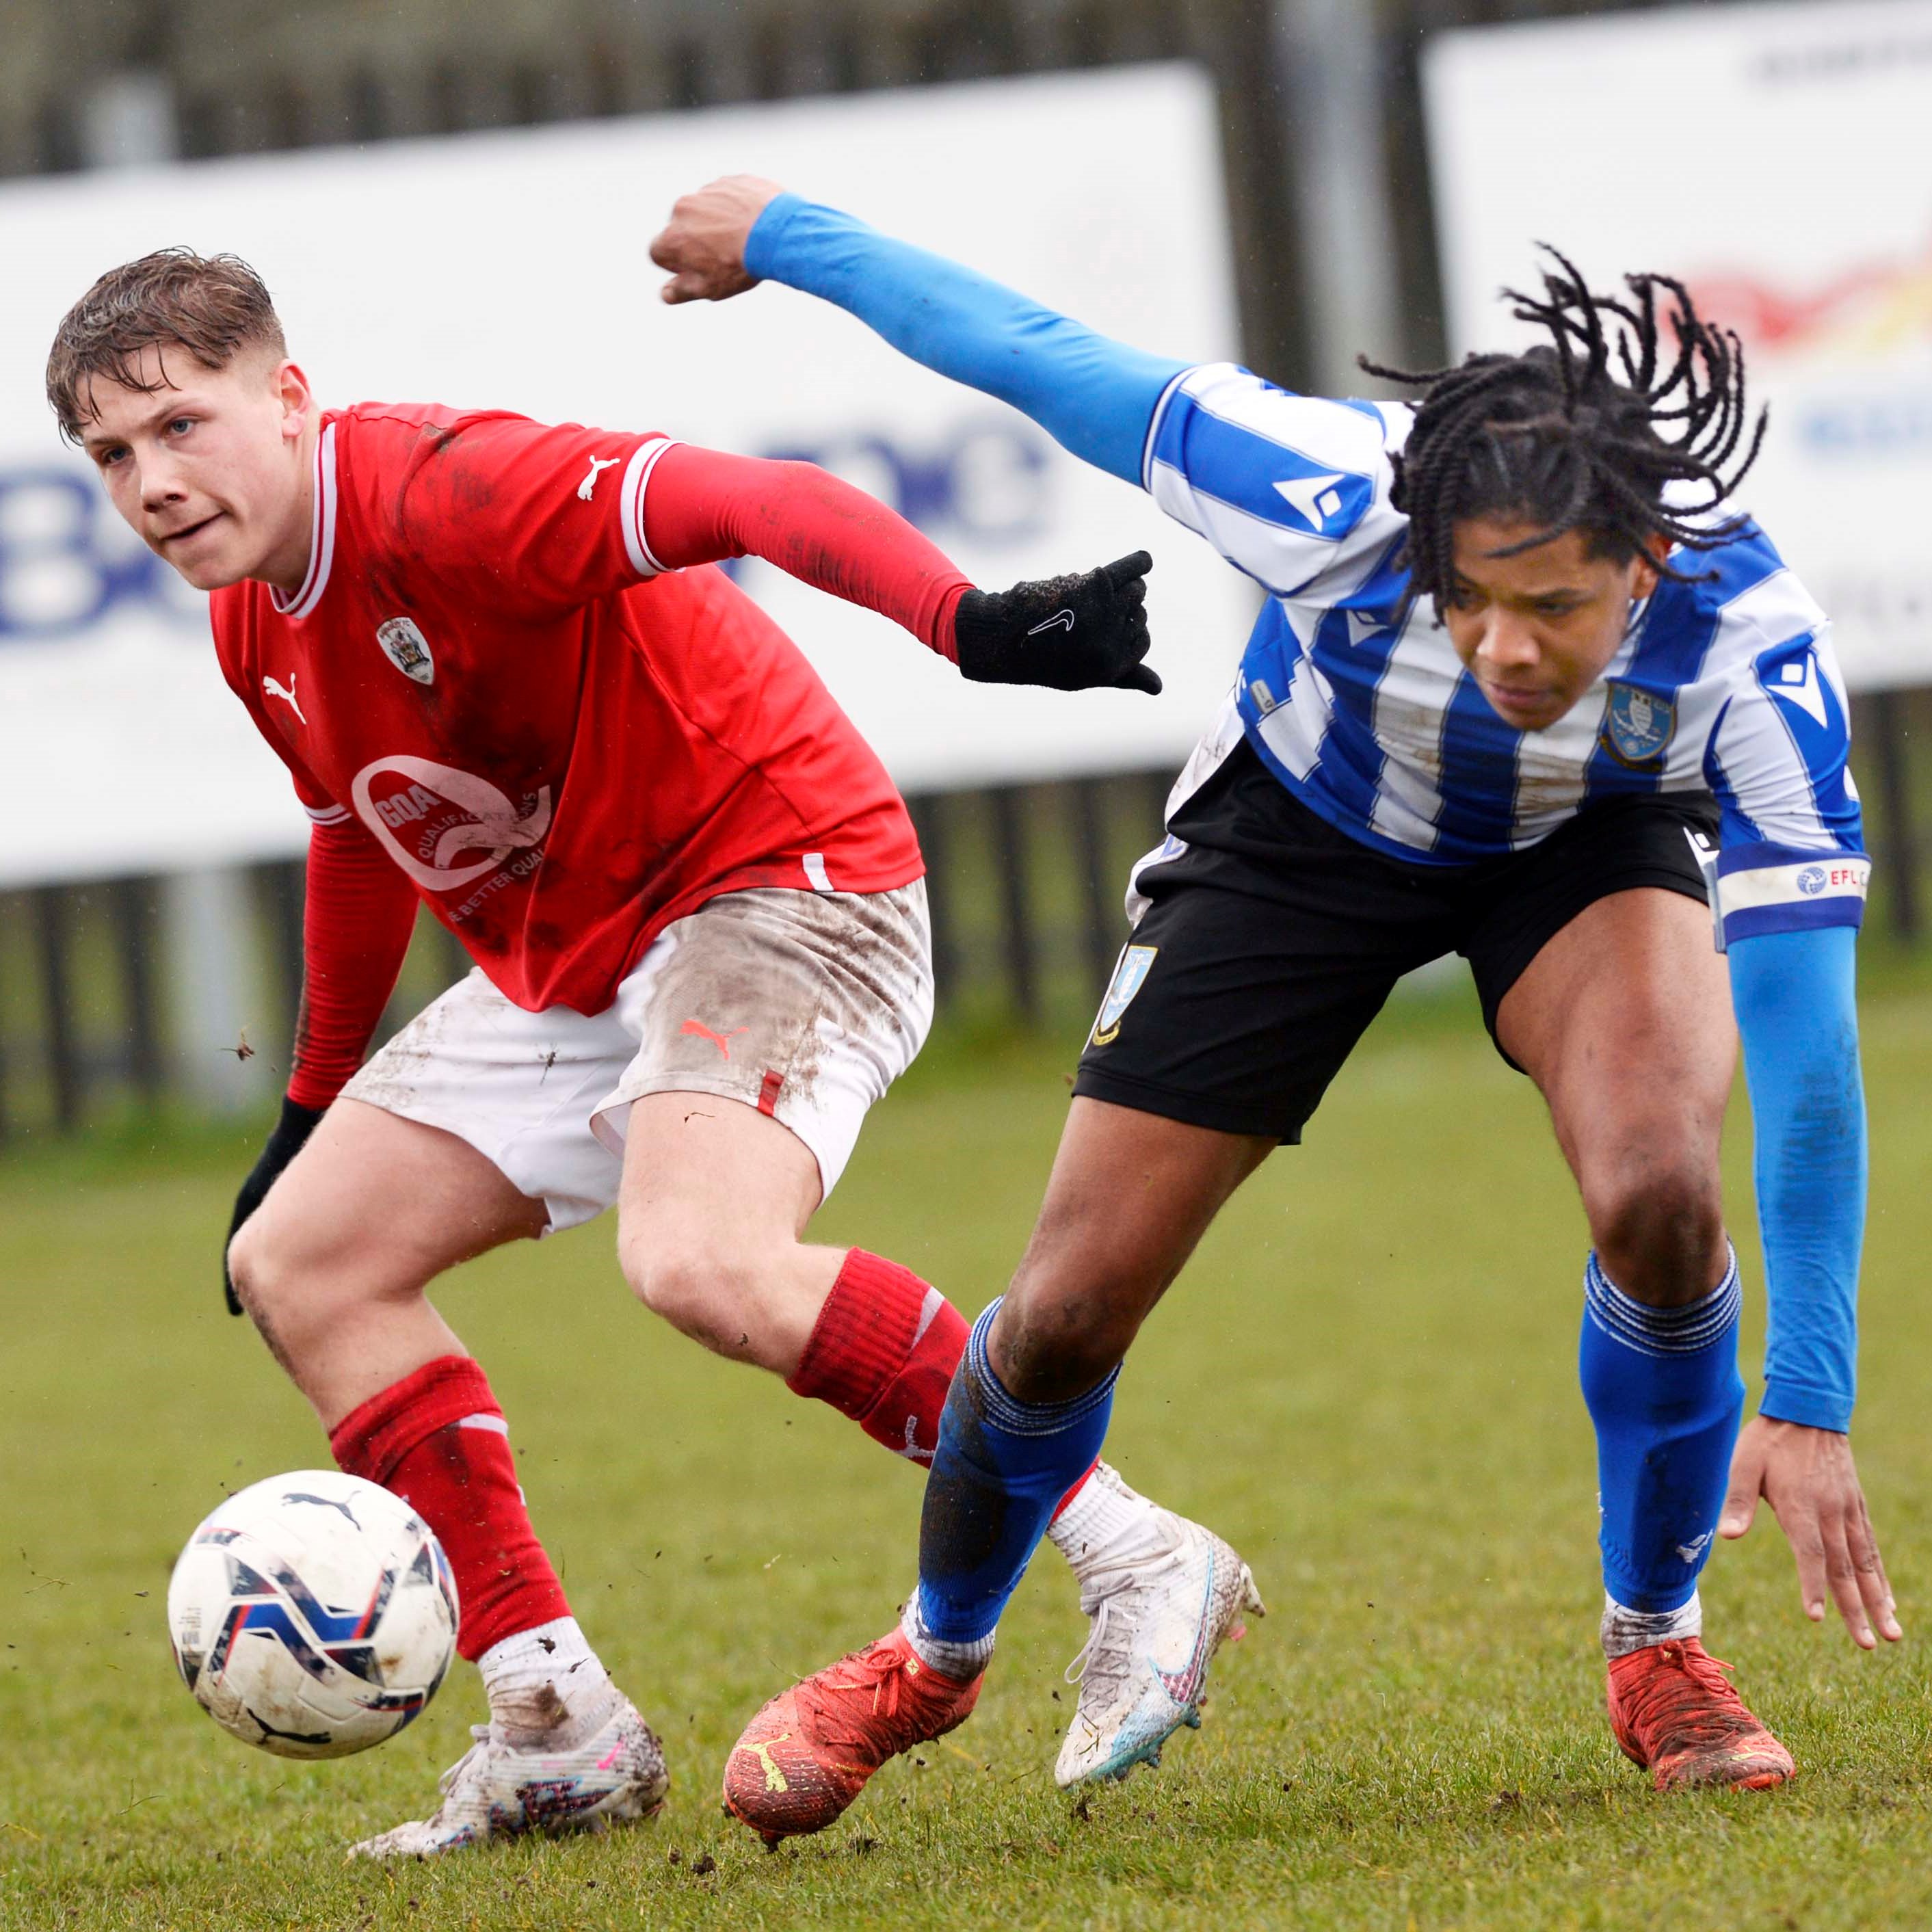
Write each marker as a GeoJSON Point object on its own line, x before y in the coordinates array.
{"type": "Point", "coordinates": [1000, 1470]}
{"type": "Point", "coordinates": [1662, 1386]}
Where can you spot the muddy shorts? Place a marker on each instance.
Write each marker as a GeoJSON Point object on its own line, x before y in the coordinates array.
{"type": "Point", "coordinates": [806, 1005]}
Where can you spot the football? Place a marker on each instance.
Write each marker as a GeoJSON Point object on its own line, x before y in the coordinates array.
{"type": "Point", "coordinates": [313, 1615]}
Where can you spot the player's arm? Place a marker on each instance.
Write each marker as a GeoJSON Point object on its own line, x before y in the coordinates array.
{"type": "Point", "coordinates": [1798, 1020]}
{"type": "Point", "coordinates": [357, 916]}
{"type": "Point", "coordinates": [525, 514]}
{"type": "Point", "coordinates": [1072, 633]}
{"type": "Point", "coordinates": [1790, 893]}
{"type": "Point", "coordinates": [1094, 396]}
{"type": "Point", "coordinates": [1290, 489]}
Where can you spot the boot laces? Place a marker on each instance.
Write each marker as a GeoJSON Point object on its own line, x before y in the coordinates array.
{"type": "Point", "coordinates": [479, 1743]}
{"type": "Point", "coordinates": [1663, 1697]}
{"type": "Point", "coordinates": [1102, 1663]}
{"type": "Point", "coordinates": [849, 1700]}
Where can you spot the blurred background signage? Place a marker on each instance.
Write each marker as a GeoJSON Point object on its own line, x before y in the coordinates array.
{"type": "Point", "coordinates": [507, 269]}
{"type": "Point", "coordinates": [1777, 159]}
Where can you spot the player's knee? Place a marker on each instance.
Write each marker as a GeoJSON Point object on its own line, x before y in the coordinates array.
{"type": "Point", "coordinates": [1054, 1348]}
{"type": "Point", "coordinates": [253, 1266]}
{"type": "Point", "coordinates": [297, 1289]}
{"type": "Point", "coordinates": [1659, 1228]}
{"type": "Point", "coordinates": [705, 1288]}
{"type": "Point", "coordinates": [266, 1277]}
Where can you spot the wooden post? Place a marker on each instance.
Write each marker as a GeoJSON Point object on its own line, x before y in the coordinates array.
{"type": "Point", "coordinates": [1016, 901]}
{"type": "Point", "coordinates": [929, 818]}
{"type": "Point", "coordinates": [1100, 926]}
{"type": "Point", "coordinates": [1895, 785]}
{"type": "Point", "coordinates": [13, 909]}
{"type": "Point", "coordinates": [280, 886]}
{"type": "Point", "coordinates": [53, 936]}
{"type": "Point", "coordinates": [130, 905]}
{"type": "Point", "coordinates": [1158, 785]}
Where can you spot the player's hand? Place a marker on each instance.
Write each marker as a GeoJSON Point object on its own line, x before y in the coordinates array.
{"type": "Point", "coordinates": [702, 244]}
{"type": "Point", "coordinates": [1808, 1476]}
{"type": "Point", "coordinates": [1069, 633]}
{"type": "Point", "coordinates": [292, 1132]}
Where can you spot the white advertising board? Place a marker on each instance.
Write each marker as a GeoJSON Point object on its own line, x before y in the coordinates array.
{"type": "Point", "coordinates": [1778, 159]}
{"type": "Point", "coordinates": [508, 271]}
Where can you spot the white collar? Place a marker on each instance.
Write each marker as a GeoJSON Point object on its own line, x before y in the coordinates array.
{"type": "Point", "coordinates": [321, 534]}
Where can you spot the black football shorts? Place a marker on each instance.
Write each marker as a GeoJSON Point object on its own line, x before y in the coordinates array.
{"type": "Point", "coordinates": [1273, 940]}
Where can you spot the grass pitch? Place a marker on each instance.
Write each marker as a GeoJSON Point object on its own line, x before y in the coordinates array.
{"type": "Point", "coordinates": [1365, 1380]}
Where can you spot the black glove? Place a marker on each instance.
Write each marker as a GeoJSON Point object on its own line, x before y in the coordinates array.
{"type": "Point", "coordinates": [1071, 633]}
{"type": "Point", "coordinates": [291, 1131]}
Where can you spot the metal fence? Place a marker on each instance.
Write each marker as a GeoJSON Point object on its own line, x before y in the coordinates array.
{"type": "Point", "coordinates": [1025, 881]}
{"type": "Point", "coordinates": [1025, 885]}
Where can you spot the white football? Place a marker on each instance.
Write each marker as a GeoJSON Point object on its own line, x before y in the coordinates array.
{"type": "Point", "coordinates": [313, 1615]}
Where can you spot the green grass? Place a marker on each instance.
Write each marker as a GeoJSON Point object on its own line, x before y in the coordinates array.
{"type": "Point", "coordinates": [1365, 1380]}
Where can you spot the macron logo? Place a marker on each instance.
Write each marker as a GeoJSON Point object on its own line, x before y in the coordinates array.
{"type": "Point", "coordinates": [1797, 684]}
{"type": "Point", "coordinates": [598, 464]}
{"type": "Point", "coordinates": [1313, 499]}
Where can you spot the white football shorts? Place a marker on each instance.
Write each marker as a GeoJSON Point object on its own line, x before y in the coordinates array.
{"type": "Point", "coordinates": [806, 1005]}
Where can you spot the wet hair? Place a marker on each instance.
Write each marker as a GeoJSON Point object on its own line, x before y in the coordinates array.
{"type": "Point", "coordinates": [1586, 431]}
{"type": "Point", "coordinates": [214, 307]}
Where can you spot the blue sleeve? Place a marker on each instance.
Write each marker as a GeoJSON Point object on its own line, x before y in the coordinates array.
{"type": "Point", "coordinates": [1795, 996]}
{"type": "Point", "coordinates": [1094, 397]}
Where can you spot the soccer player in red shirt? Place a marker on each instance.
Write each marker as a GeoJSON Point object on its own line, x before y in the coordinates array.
{"type": "Point", "coordinates": [504, 686]}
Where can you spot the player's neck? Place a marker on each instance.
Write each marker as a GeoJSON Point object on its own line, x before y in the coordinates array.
{"type": "Point", "coordinates": [286, 567]}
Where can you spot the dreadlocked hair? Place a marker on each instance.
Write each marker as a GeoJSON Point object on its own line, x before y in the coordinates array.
{"type": "Point", "coordinates": [1571, 434]}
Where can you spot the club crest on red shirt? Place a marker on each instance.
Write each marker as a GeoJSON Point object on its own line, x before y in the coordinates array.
{"type": "Point", "coordinates": [407, 649]}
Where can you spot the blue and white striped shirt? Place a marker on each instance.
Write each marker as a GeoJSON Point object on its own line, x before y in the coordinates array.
{"type": "Point", "coordinates": [1728, 686]}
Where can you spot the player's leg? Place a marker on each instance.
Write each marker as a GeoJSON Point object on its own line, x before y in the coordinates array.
{"type": "Point", "coordinates": [1129, 1196]}
{"type": "Point", "coordinates": [765, 1026]}
{"type": "Point", "coordinates": [715, 1201]}
{"type": "Point", "coordinates": [406, 1176]}
{"type": "Point", "coordinates": [333, 1267]}
{"type": "Point", "coordinates": [1246, 987]}
{"type": "Point", "coordinates": [778, 1018]}
{"type": "Point", "coordinates": [1623, 1019]}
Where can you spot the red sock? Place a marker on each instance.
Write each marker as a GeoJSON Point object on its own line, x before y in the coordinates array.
{"type": "Point", "coordinates": [884, 1352]}
{"type": "Point", "coordinates": [1059, 1507]}
{"type": "Point", "coordinates": [438, 1440]}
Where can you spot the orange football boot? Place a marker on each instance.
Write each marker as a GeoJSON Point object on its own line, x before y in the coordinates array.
{"type": "Point", "coordinates": [1675, 1714]}
{"type": "Point", "coordinates": [804, 1758]}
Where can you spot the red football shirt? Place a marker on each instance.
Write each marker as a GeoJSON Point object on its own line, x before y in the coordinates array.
{"type": "Point", "coordinates": [562, 745]}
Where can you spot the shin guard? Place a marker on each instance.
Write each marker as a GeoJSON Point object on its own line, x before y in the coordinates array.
{"type": "Point", "coordinates": [1000, 1471]}
{"type": "Point", "coordinates": [1663, 1388]}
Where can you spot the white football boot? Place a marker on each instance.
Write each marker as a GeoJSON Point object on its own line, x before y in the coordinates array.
{"type": "Point", "coordinates": [1161, 1608]}
{"type": "Point", "coordinates": [495, 1791]}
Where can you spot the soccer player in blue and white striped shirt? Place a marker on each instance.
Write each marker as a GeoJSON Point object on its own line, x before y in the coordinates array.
{"type": "Point", "coordinates": [1527, 687]}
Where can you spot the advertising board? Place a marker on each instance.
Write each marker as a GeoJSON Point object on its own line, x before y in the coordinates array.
{"type": "Point", "coordinates": [508, 270]}
{"type": "Point", "coordinates": [1776, 159]}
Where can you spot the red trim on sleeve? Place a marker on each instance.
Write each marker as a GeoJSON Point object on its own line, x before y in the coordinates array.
{"type": "Point", "coordinates": [701, 506]}
{"type": "Point", "coordinates": [358, 913]}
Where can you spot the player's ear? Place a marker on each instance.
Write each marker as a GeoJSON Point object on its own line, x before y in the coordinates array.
{"type": "Point", "coordinates": [296, 398]}
{"type": "Point", "coordinates": [1644, 577]}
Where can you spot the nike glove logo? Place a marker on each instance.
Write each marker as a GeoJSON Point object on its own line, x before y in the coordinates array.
{"type": "Point", "coordinates": [1061, 620]}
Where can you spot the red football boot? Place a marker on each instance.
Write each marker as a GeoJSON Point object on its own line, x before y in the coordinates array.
{"type": "Point", "coordinates": [804, 1758]}
{"type": "Point", "coordinates": [1675, 1715]}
